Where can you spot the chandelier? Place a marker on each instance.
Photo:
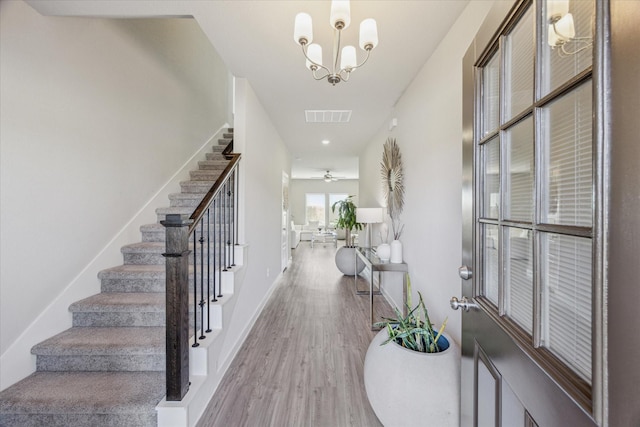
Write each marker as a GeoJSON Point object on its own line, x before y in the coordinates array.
{"type": "Point", "coordinates": [339, 19]}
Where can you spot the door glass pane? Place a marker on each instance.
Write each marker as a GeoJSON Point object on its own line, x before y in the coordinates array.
{"type": "Point", "coordinates": [518, 194]}
{"type": "Point", "coordinates": [518, 268]}
{"type": "Point", "coordinates": [567, 178]}
{"type": "Point", "coordinates": [566, 284]}
{"type": "Point", "coordinates": [568, 50]}
{"type": "Point", "coordinates": [519, 67]}
{"type": "Point", "coordinates": [491, 173]}
{"type": "Point", "coordinates": [490, 94]}
{"type": "Point", "coordinates": [490, 263]}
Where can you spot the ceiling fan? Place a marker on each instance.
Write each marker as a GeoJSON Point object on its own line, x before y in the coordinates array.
{"type": "Point", "coordinates": [328, 177]}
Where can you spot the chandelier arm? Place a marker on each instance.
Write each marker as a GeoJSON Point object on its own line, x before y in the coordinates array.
{"type": "Point", "coordinates": [350, 69]}
{"type": "Point", "coordinates": [304, 52]}
{"type": "Point", "coordinates": [327, 74]}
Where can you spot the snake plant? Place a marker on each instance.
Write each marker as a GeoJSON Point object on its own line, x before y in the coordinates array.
{"type": "Point", "coordinates": [415, 330]}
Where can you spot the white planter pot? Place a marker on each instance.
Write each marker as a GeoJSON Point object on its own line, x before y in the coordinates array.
{"type": "Point", "coordinates": [346, 261]}
{"type": "Point", "coordinates": [407, 388]}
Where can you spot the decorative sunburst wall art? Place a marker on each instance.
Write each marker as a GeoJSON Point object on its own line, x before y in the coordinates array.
{"type": "Point", "coordinates": [392, 178]}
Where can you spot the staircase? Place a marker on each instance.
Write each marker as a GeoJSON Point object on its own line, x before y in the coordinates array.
{"type": "Point", "coordinates": [109, 368]}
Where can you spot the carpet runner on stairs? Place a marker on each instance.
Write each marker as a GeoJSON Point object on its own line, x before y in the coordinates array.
{"type": "Point", "coordinates": [109, 368]}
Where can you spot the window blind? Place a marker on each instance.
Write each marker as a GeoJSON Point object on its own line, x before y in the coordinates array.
{"type": "Point", "coordinates": [567, 300]}
{"type": "Point", "coordinates": [490, 95]}
{"type": "Point", "coordinates": [519, 67]}
{"type": "Point", "coordinates": [519, 179]}
{"type": "Point", "coordinates": [518, 253]}
{"type": "Point", "coordinates": [568, 153]}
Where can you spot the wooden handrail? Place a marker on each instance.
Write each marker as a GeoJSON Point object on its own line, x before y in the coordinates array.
{"type": "Point", "coordinates": [197, 214]}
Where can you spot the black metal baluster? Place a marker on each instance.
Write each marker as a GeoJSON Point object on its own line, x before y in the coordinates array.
{"type": "Point", "coordinates": [228, 225]}
{"type": "Point", "coordinates": [220, 244]}
{"type": "Point", "coordinates": [195, 293]}
{"type": "Point", "coordinates": [215, 246]}
{"type": "Point", "coordinates": [208, 271]}
{"type": "Point", "coordinates": [201, 304]}
{"type": "Point", "coordinates": [233, 221]}
{"type": "Point", "coordinates": [237, 185]}
{"type": "Point", "coordinates": [224, 224]}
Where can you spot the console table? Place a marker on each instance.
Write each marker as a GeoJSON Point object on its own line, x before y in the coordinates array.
{"type": "Point", "coordinates": [371, 260]}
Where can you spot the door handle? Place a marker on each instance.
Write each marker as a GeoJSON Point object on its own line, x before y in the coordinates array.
{"type": "Point", "coordinates": [462, 303]}
{"type": "Point", "coordinates": [465, 272]}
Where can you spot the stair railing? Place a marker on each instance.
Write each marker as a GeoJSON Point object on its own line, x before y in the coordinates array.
{"type": "Point", "coordinates": [208, 239]}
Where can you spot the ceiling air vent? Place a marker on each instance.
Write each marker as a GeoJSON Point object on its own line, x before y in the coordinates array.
{"type": "Point", "coordinates": [327, 116]}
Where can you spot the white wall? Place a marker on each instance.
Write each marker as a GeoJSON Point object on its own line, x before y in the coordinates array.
{"type": "Point", "coordinates": [429, 134]}
{"type": "Point", "coordinates": [300, 187]}
{"type": "Point", "coordinates": [264, 158]}
{"type": "Point", "coordinates": [96, 115]}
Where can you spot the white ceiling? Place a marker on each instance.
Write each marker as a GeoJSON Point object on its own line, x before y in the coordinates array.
{"type": "Point", "coordinates": [255, 39]}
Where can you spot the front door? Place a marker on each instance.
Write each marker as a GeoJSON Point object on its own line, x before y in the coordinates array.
{"type": "Point", "coordinates": [532, 327]}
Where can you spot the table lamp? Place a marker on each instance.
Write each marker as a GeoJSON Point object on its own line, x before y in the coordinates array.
{"type": "Point", "coordinates": [369, 216]}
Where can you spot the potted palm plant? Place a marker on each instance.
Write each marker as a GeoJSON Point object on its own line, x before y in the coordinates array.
{"type": "Point", "coordinates": [345, 256]}
{"type": "Point", "coordinates": [409, 357]}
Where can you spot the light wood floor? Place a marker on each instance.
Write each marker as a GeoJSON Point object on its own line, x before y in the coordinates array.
{"type": "Point", "coordinates": [302, 362]}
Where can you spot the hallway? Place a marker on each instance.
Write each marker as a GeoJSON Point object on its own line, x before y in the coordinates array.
{"type": "Point", "coordinates": [302, 363]}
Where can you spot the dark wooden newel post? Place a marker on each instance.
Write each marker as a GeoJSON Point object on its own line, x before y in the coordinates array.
{"type": "Point", "coordinates": [177, 306]}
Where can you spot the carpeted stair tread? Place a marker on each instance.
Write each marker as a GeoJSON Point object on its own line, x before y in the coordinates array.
{"type": "Point", "coordinates": [45, 393]}
{"type": "Point", "coordinates": [104, 341]}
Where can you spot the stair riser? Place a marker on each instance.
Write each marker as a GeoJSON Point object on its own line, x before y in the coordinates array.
{"type": "Point", "coordinates": [117, 362]}
{"type": "Point", "coordinates": [212, 165]}
{"type": "Point", "coordinates": [204, 175]}
{"type": "Point", "coordinates": [133, 283]}
{"type": "Point", "coordinates": [226, 212]}
{"type": "Point", "coordinates": [158, 259]}
{"type": "Point", "coordinates": [118, 319]}
{"type": "Point", "coordinates": [66, 420]}
{"type": "Point", "coordinates": [160, 235]}
{"type": "Point", "coordinates": [216, 154]}
{"type": "Point", "coordinates": [197, 187]}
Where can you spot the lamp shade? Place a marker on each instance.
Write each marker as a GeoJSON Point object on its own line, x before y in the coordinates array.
{"type": "Point", "coordinates": [303, 28]}
{"type": "Point", "coordinates": [348, 57]}
{"type": "Point", "coordinates": [314, 52]}
{"type": "Point", "coordinates": [562, 31]}
{"type": "Point", "coordinates": [557, 8]}
{"type": "Point", "coordinates": [340, 12]}
{"type": "Point", "coordinates": [369, 215]}
{"type": "Point", "coordinates": [368, 34]}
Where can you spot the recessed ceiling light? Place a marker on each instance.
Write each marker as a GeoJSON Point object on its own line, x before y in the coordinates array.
{"type": "Point", "coordinates": [326, 141]}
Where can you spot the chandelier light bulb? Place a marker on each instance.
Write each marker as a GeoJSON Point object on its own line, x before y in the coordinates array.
{"type": "Point", "coordinates": [340, 17]}
{"type": "Point", "coordinates": [368, 34]}
{"type": "Point", "coordinates": [348, 58]}
{"type": "Point", "coordinates": [314, 52]}
{"type": "Point", "coordinates": [303, 29]}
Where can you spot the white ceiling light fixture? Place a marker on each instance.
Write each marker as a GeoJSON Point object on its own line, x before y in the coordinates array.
{"type": "Point", "coordinates": [340, 19]}
{"type": "Point", "coordinates": [562, 30]}
{"type": "Point", "coordinates": [326, 142]}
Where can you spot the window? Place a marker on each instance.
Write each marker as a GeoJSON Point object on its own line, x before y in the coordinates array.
{"type": "Point", "coordinates": [315, 208]}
